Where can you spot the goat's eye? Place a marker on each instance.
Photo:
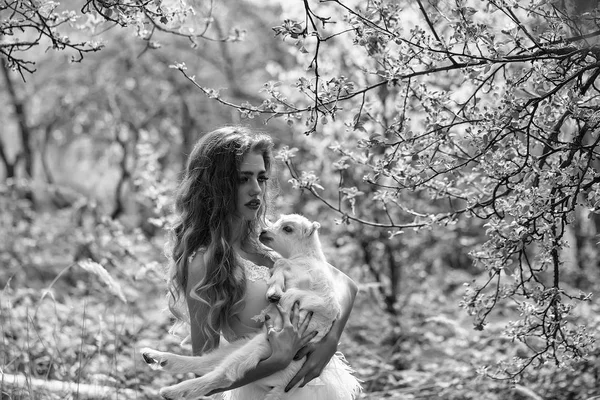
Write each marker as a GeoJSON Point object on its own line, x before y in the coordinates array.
{"type": "Point", "coordinates": [288, 229]}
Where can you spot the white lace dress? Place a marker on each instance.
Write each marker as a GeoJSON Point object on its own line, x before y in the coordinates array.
{"type": "Point", "coordinates": [336, 382]}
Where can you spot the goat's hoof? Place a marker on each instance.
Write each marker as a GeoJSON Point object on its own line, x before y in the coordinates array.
{"type": "Point", "coordinates": [148, 359]}
{"type": "Point", "coordinates": [153, 358]}
{"type": "Point", "coordinates": [274, 298]}
{"type": "Point", "coordinates": [166, 396]}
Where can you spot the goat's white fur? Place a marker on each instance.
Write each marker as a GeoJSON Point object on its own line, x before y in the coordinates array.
{"type": "Point", "coordinates": [302, 275]}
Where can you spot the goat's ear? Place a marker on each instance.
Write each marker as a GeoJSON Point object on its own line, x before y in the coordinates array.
{"type": "Point", "coordinates": [315, 226]}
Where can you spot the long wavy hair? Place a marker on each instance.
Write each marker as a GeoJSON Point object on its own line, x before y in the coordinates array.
{"type": "Point", "coordinates": [205, 206]}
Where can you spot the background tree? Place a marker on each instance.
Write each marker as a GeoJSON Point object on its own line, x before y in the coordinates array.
{"type": "Point", "coordinates": [438, 132]}
{"type": "Point", "coordinates": [460, 111]}
{"type": "Point", "coordinates": [107, 138]}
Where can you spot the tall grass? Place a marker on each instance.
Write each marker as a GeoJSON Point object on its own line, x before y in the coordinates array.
{"type": "Point", "coordinates": [72, 332]}
{"type": "Point", "coordinates": [57, 344]}
{"type": "Point", "coordinates": [71, 326]}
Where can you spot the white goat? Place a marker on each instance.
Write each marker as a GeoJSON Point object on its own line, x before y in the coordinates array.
{"type": "Point", "coordinates": [302, 275]}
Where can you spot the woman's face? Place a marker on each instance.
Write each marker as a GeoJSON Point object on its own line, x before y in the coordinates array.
{"type": "Point", "coordinates": [252, 182]}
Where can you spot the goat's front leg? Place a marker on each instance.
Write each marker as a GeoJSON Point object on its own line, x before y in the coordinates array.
{"type": "Point", "coordinates": [198, 387]}
{"type": "Point", "coordinates": [228, 365]}
{"type": "Point", "coordinates": [277, 282]}
{"type": "Point", "coordinates": [198, 365]}
{"type": "Point", "coordinates": [173, 363]}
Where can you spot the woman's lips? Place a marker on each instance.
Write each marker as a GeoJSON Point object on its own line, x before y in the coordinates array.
{"type": "Point", "coordinates": [253, 204]}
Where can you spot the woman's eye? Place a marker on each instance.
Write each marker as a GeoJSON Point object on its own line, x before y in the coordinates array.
{"type": "Point", "coordinates": [288, 229]}
{"type": "Point", "coordinates": [243, 179]}
{"type": "Point", "coordinates": [263, 178]}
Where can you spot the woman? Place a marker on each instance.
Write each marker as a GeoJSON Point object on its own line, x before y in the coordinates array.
{"type": "Point", "coordinates": [219, 269]}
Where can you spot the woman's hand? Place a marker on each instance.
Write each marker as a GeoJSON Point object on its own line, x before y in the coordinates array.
{"type": "Point", "coordinates": [291, 338]}
{"type": "Point", "coordinates": [317, 356]}
{"type": "Point", "coordinates": [284, 344]}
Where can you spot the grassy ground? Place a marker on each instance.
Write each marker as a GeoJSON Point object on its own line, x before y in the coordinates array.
{"type": "Point", "coordinates": [91, 339]}
{"type": "Point", "coordinates": [67, 333]}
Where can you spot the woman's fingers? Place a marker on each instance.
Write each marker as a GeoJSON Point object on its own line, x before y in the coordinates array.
{"type": "Point", "coordinates": [295, 317]}
{"type": "Point", "coordinates": [269, 325]}
{"type": "Point", "coordinates": [293, 320]}
{"type": "Point", "coordinates": [307, 338]}
{"type": "Point", "coordinates": [305, 350]}
{"type": "Point", "coordinates": [285, 316]}
{"type": "Point", "coordinates": [310, 376]}
{"type": "Point", "coordinates": [304, 325]}
{"type": "Point", "coordinates": [309, 371]}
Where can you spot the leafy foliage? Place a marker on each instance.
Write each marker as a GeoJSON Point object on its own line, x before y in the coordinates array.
{"type": "Point", "coordinates": [26, 24]}
{"type": "Point", "coordinates": [446, 116]}
{"type": "Point", "coordinates": [437, 134]}
{"type": "Point", "coordinates": [59, 323]}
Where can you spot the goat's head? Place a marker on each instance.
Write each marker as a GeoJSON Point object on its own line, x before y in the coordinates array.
{"type": "Point", "coordinates": [291, 233]}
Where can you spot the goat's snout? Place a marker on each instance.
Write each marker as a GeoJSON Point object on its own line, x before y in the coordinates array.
{"type": "Point", "coordinates": [265, 238]}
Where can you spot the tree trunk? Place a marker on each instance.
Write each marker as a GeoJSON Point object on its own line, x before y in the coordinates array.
{"type": "Point", "coordinates": [392, 297]}
{"type": "Point", "coordinates": [188, 134]}
{"type": "Point", "coordinates": [389, 295]}
{"type": "Point", "coordinates": [8, 166]}
{"type": "Point", "coordinates": [119, 207]}
{"type": "Point", "coordinates": [21, 115]}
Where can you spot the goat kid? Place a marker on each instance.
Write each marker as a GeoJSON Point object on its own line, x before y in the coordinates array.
{"type": "Point", "coordinates": [302, 275]}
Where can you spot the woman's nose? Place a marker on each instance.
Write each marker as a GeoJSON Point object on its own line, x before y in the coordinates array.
{"type": "Point", "coordinates": [255, 189]}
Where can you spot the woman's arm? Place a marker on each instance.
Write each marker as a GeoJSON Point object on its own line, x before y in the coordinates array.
{"type": "Point", "coordinates": [319, 354]}
{"type": "Point", "coordinates": [276, 361]}
{"type": "Point", "coordinates": [197, 309]}
{"type": "Point", "coordinates": [284, 345]}
{"type": "Point", "coordinates": [346, 291]}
